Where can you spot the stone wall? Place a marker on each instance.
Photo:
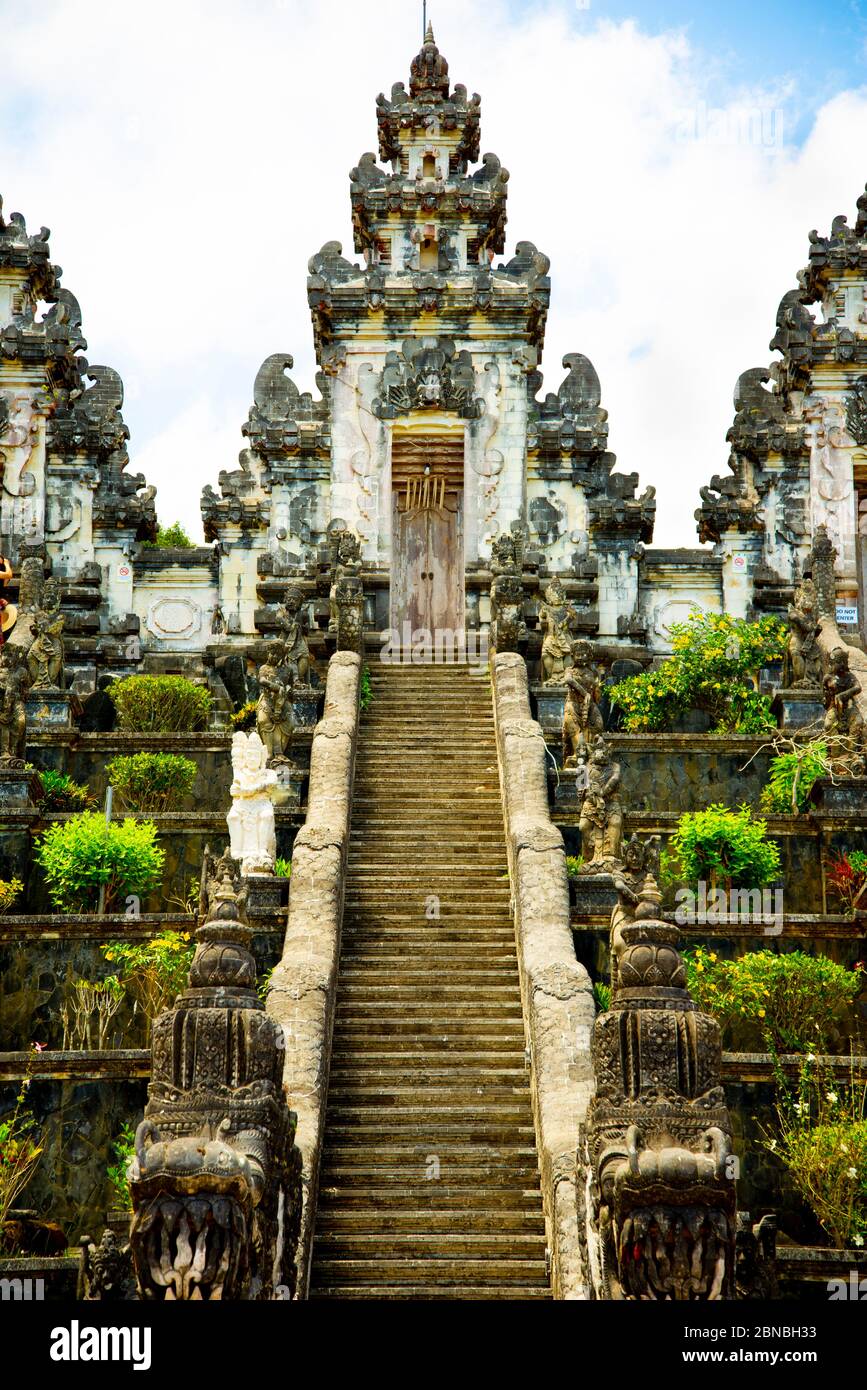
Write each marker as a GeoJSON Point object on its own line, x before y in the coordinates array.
{"type": "Point", "coordinates": [556, 990]}
{"type": "Point", "coordinates": [303, 986]}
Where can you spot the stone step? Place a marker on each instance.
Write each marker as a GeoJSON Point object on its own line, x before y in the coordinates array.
{"type": "Point", "coordinates": [435, 1131]}
{"type": "Point", "coordinates": [354, 1040]}
{"type": "Point", "coordinates": [358, 993]}
{"type": "Point", "coordinates": [429, 1245]}
{"type": "Point", "coordinates": [350, 1093]}
{"type": "Point", "coordinates": [501, 1272]}
{"type": "Point", "coordinates": [475, 1293]}
{"type": "Point", "coordinates": [362, 975]}
{"type": "Point", "coordinates": [332, 1219]}
{"type": "Point", "coordinates": [407, 1161]}
{"type": "Point", "coordinates": [428, 1010]}
{"type": "Point", "coordinates": [349, 1189]}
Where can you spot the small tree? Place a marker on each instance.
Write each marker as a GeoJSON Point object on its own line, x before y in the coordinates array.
{"type": "Point", "coordinates": [85, 853]}
{"type": "Point", "coordinates": [723, 848]}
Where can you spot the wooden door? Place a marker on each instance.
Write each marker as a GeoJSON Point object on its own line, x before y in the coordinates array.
{"type": "Point", "coordinates": [427, 582]}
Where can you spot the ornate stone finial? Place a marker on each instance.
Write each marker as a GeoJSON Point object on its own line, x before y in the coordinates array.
{"type": "Point", "coordinates": [215, 1181]}
{"type": "Point", "coordinates": [429, 72]}
{"type": "Point", "coordinates": [661, 1211]}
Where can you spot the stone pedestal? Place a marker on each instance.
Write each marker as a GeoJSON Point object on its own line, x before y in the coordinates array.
{"type": "Point", "coordinates": [52, 711]}
{"type": "Point", "coordinates": [305, 705]}
{"type": "Point", "coordinates": [593, 894]}
{"type": "Point", "coordinates": [797, 707]}
{"type": "Point", "coordinates": [568, 795]}
{"type": "Point", "coordinates": [550, 701]}
{"type": "Point", "coordinates": [267, 895]}
{"type": "Point", "coordinates": [845, 796]}
{"type": "Point", "coordinates": [290, 782]}
{"type": "Point", "coordinates": [19, 788]}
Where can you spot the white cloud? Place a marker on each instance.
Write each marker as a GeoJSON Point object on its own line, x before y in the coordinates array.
{"type": "Point", "coordinates": [190, 158]}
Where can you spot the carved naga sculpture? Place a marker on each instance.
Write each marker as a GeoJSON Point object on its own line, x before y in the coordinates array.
{"type": "Point", "coordinates": [215, 1181]}
{"type": "Point", "coordinates": [661, 1198]}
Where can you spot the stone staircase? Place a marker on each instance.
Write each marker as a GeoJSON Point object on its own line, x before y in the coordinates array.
{"type": "Point", "coordinates": [429, 1186]}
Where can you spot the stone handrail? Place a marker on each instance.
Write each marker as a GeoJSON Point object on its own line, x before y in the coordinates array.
{"type": "Point", "coordinates": [303, 985]}
{"type": "Point", "coordinates": [556, 990]}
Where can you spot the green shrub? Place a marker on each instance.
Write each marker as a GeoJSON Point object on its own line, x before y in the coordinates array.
{"type": "Point", "coordinates": [573, 864]}
{"type": "Point", "coordinates": [283, 868]}
{"type": "Point", "coordinates": [60, 793]}
{"type": "Point", "coordinates": [10, 889]}
{"type": "Point", "coordinates": [790, 1002]}
{"type": "Point", "coordinates": [722, 848]}
{"type": "Point", "coordinates": [172, 537]}
{"type": "Point", "coordinates": [245, 717]}
{"type": "Point", "coordinates": [714, 667]}
{"type": "Point", "coordinates": [152, 781]}
{"type": "Point", "coordinates": [154, 972]}
{"type": "Point", "coordinates": [366, 691]}
{"type": "Point", "coordinates": [85, 853]}
{"type": "Point", "coordinates": [123, 1149]}
{"type": "Point", "coordinates": [160, 704]}
{"type": "Point", "coordinates": [792, 776]}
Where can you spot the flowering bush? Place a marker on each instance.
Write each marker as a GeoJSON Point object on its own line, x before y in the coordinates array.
{"type": "Point", "coordinates": [821, 1139]}
{"type": "Point", "coordinates": [790, 1002]}
{"type": "Point", "coordinates": [721, 847]}
{"type": "Point", "coordinates": [714, 667]}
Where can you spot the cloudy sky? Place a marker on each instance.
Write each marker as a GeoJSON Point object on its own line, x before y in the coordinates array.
{"type": "Point", "coordinates": [670, 158]}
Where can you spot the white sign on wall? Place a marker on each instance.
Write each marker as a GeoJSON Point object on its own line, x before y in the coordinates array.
{"type": "Point", "coordinates": [847, 613]}
{"type": "Point", "coordinates": [739, 562]}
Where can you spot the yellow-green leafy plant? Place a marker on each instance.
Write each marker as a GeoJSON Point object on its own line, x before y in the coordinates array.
{"type": "Point", "coordinates": [152, 781]}
{"type": "Point", "coordinates": [10, 890]}
{"type": "Point", "coordinates": [160, 704]}
{"type": "Point", "coordinates": [122, 1149]}
{"type": "Point", "coordinates": [153, 972]}
{"type": "Point", "coordinates": [20, 1152]}
{"type": "Point", "coordinates": [792, 775]}
{"type": "Point", "coordinates": [58, 792]}
{"type": "Point", "coordinates": [85, 854]}
{"type": "Point", "coordinates": [722, 848]}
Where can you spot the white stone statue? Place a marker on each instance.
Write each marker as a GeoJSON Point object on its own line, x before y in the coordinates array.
{"type": "Point", "coordinates": [252, 836]}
